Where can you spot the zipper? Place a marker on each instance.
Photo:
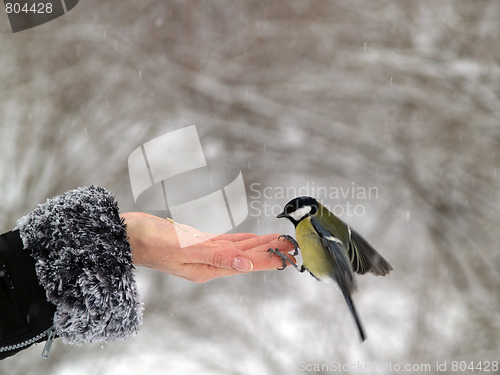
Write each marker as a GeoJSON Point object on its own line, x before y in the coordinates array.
{"type": "Point", "coordinates": [50, 333]}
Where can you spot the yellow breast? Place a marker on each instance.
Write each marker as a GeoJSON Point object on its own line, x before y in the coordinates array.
{"type": "Point", "coordinates": [314, 255]}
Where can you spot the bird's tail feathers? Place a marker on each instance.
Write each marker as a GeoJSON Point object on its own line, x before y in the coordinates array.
{"type": "Point", "coordinates": [355, 316]}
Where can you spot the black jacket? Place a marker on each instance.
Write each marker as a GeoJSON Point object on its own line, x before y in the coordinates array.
{"type": "Point", "coordinates": [25, 313]}
{"type": "Point", "coordinates": [66, 271]}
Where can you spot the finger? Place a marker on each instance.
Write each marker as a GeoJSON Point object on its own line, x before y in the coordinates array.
{"type": "Point", "coordinates": [266, 239]}
{"type": "Point", "coordinates": [283, 246]}
{"type": "Point", "coordinates": [266, 261]}
{"type": "Point", "coordinates": [262, 243]}
{"type": "Point", "coordinates": [205, 272]}
{"type": "Point", "coordinates": [235, 237]}
{"type": "Point", "coordinates": [217, 255]}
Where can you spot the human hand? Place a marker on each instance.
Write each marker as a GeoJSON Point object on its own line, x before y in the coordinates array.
{"type": "Point", "coordinates": [155, 244]}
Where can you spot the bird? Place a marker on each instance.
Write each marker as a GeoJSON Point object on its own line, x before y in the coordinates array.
{"type": "Point", "coordinates": [330, 248]}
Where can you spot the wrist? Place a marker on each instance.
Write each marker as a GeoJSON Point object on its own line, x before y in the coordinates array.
{"type": "Point", "coordinates": [131, 222]}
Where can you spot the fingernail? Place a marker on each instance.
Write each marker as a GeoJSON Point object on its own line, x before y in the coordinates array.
{"type": "Point", "coordinates": [242, 264]}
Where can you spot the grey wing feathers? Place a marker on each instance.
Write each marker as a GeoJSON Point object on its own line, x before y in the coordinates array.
{"type": "Point", "coordinates": [364, 258]}
{"type": "Point", "coordinates": [341, 271]}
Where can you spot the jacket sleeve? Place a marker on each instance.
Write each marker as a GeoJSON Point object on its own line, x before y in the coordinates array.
{"type": "Point", "coordinates": [84, 263]}
{"type": "Point", "coordinates": [25, 313]}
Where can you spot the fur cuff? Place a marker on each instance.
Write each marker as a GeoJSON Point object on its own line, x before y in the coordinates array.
{"type": "Point", "coordinates": [84, 262]}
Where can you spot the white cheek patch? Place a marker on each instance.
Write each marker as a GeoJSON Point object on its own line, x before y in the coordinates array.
{"type": "Point", "coordinates": [300, 213]}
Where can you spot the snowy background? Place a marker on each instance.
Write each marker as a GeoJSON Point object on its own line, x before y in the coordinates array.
{"type": "Point", "coordinates": [402, 97]}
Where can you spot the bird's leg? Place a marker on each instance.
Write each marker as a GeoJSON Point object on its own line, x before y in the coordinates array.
{"type": "Point", "coordinates": [285, 259]}
{"type": "Point", "coordinates": [292, 241]}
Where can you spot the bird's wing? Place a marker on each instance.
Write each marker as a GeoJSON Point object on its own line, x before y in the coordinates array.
{"type": "Point", "coordinates": [364, 258]}
{"type": "Point", "coordinates": [341, 272]}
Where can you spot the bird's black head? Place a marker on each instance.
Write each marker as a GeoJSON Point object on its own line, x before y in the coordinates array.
{"type": "Point", "coordinates": [299, 208]}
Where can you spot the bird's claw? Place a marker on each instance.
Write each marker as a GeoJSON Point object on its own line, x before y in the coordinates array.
{"type": "Point", "coordinates": [281, 255]}
{"type": "Point", "coordinates": [292, 240]}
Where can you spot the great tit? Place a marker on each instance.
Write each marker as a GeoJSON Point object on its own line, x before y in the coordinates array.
{"type": "Point", "coordinates": [330, 249]}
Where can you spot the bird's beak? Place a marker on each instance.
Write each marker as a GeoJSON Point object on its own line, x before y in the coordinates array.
{"type": "Point", "coordinates": [281, 215]}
